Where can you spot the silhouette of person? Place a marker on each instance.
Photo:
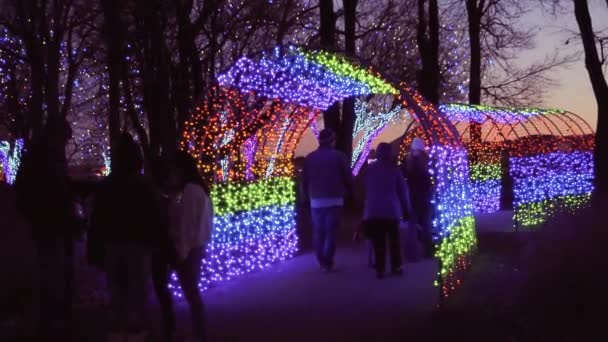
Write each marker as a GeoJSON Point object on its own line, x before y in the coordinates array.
{"type": "Point", "coordinates": [326, 180]}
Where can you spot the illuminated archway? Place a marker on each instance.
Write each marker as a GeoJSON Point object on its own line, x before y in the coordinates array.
{"type": "Point", "coordinates": [245, 133]}
{"type": "Point", "coordinates": [549, 154]}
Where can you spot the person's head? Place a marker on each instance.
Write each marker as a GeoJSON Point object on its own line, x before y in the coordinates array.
{"type": "Point", "coordinates": [184, 171]}
{"type": "Point", "coordinates": [384, 153]}
{"type": "Point", "coordinates": [417, 145]}
{"type": "Point", "coordinates": [128, 159]}
{"type": "Point", "coordinates": [327, 138]}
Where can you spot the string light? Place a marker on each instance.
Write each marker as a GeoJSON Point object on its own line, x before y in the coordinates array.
{"type": "Point", "coordinates": [545, 184]}
{"type": "Point", "coordinates": [368, 126]}
{"type": "Point", "coordinates": [10, 160]}
{"type": "Point", "coordinates": [550, 161]}
{"type": "Point", "coordinates": [244, 135]}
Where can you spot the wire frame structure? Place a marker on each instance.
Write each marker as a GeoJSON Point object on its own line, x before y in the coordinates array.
{"type": "Point", "coordinates": [244, 135]}
{"type": "Point", "coordinates": [534, 161]}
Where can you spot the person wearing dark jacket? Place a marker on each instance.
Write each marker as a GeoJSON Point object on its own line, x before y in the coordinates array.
{"type": "Point", "coordinates": [127, 219]}
{"type": "Point", "coordinates": [45, 200]}
{"type": "Point", "coordinates": [421, 192]}
{"type": "Point", "coordinates": [327, 179]}
{"type": "Point", "coordinates": [386, 203]}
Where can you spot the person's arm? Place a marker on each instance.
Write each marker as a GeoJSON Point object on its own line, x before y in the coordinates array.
{"type": "Point", "coordinates": [207, 219]}
{"type": "Point", "coordinates": [195, 216]}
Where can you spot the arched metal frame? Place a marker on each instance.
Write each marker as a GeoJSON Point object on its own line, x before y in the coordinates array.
{"type": "Point", "coordinates": [534, 140]}
{"type": "Point", "coordinates": [454, 225]}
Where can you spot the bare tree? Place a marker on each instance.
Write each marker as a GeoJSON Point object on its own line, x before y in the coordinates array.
{"type": "Point", "coordinates": [345, 137]}
{"type": "Point", "coordinates": [599, 84]}
{"type": "Point", "coordinates": [428, 45]}
{"type": "Point", "coordinates": [387, 38]}
{"type": "Point", "coordinates": [496, 38]}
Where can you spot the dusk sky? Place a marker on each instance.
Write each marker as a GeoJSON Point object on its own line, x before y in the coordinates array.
{"type": "Point", "coordinates": [573, 91]}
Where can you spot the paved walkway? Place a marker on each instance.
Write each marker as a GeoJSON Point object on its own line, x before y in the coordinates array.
{"type": "Point", "coordinates": [294, 301]}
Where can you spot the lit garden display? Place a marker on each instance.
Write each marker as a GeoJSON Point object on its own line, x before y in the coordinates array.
{"type": "Point", "coordinates": [245, 133]}
{"type": "Point", "coordinates": [547, 154]}
{"type": "Point", "coordinates": [10, 160]}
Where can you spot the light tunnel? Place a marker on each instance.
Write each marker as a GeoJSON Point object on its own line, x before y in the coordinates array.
{"type": "Point", "coordinates": [537, 162]}
{"type": "Point", "coordinates": [245, 133]}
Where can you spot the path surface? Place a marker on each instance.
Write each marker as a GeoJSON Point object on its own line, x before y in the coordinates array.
{"type": "Point", "coordinates": [294, 301]}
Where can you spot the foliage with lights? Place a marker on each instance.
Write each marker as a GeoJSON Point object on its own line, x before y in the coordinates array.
{"type": "Point", "coordinates": [543, 157]}
{"type": "Point", "coordinates": [10, 159]}
{"type": "Point", "coordinates": [244, 137]}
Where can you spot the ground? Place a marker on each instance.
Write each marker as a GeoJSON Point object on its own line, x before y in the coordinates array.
{"type": "Point", "coordinates": [293, 300]}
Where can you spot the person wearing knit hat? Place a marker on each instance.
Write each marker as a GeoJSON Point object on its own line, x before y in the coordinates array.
{"type": "Point", "coordinates": [326, 181]}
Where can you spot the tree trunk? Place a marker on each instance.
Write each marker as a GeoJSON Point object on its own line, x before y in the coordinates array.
{"type": "Point", "coordinates": [345, 142]}
{"type": "Point", "coordinates": [428, 45]}
{"type": "Point", "coordinates": [35, 115]}
{"type": "Point", "coordinates": [328, 25]}
{"type": "Point", "coordinates": [331, 116]}
{"type": "Point", "coordinates": [433, 63]}
{"type": "Point", "coordinates": [600, 89]}
{"type": "Point", "coordinates": [163, 138]}
{"type": "Point", "coordinates": [114, 42]}
{"type": "Point", "coordinates": [183, 89]}
{"type": "Point", "coordinates": [473, 15]}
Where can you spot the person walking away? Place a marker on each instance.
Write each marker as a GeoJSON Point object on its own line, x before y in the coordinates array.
{"type": "Point", "coordinates": [386, 203]}
{"type": "Point", "coordinates": [45, 200]}
{"type": "Point", "coordinates": [191, 217]}
{"type": "Point", "coordinates": [327, 179]}
{"type": "Point", "coordinates": [421, 192]}
{"type": "Point", "coordinates": [165, 256]}
{"type": "Point", "coordinates": [127, 218]}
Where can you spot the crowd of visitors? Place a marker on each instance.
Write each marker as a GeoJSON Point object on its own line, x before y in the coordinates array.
{"type": "Point", "coordinates": [393, 198]}
{"type": "Point", "coordinates": [139, 229]}
{"type": "Point", "coordinates": [143, 228]}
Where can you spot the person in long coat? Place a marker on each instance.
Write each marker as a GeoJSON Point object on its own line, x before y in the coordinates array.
{"type": "Point", "coordinates": [421, 193]}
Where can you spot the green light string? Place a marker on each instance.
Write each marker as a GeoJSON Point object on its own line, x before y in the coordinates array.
{"type": "Point", "coordinates": [461, 242]}
{"type": "Point", "coordinates": [485, 171]}
{"type": "Point", "coordinates": [341, 67]}
{"type": "Point", "coordinates": [529, 215]}
{"type": "Point", "coordinates": [522, 111]}
{"type": "Point", "coordinates": [233, 198]}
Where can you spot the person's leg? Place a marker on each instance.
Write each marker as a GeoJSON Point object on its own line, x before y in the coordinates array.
{"type": "Point", "coordinates": [318, 223]}
{"type": "Point", "coordinates": [378, 237]}
{"type": "Point", "coordinates": [189, 273]}
{"type": "Point", "coordinates": [67, 296]}
{"type": "Point", "coordinates": [47, 286]}
{"type": "Point", "coordinates": [331, 226]}
{"type": "Point", "coordinates": [395, 246]}
{"type": "Point", "coordinates": [160, 278]}
{"type": "Point", "coordinates": [137, 294]}
{"type": "Point", "coordinates": [116, 273]}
